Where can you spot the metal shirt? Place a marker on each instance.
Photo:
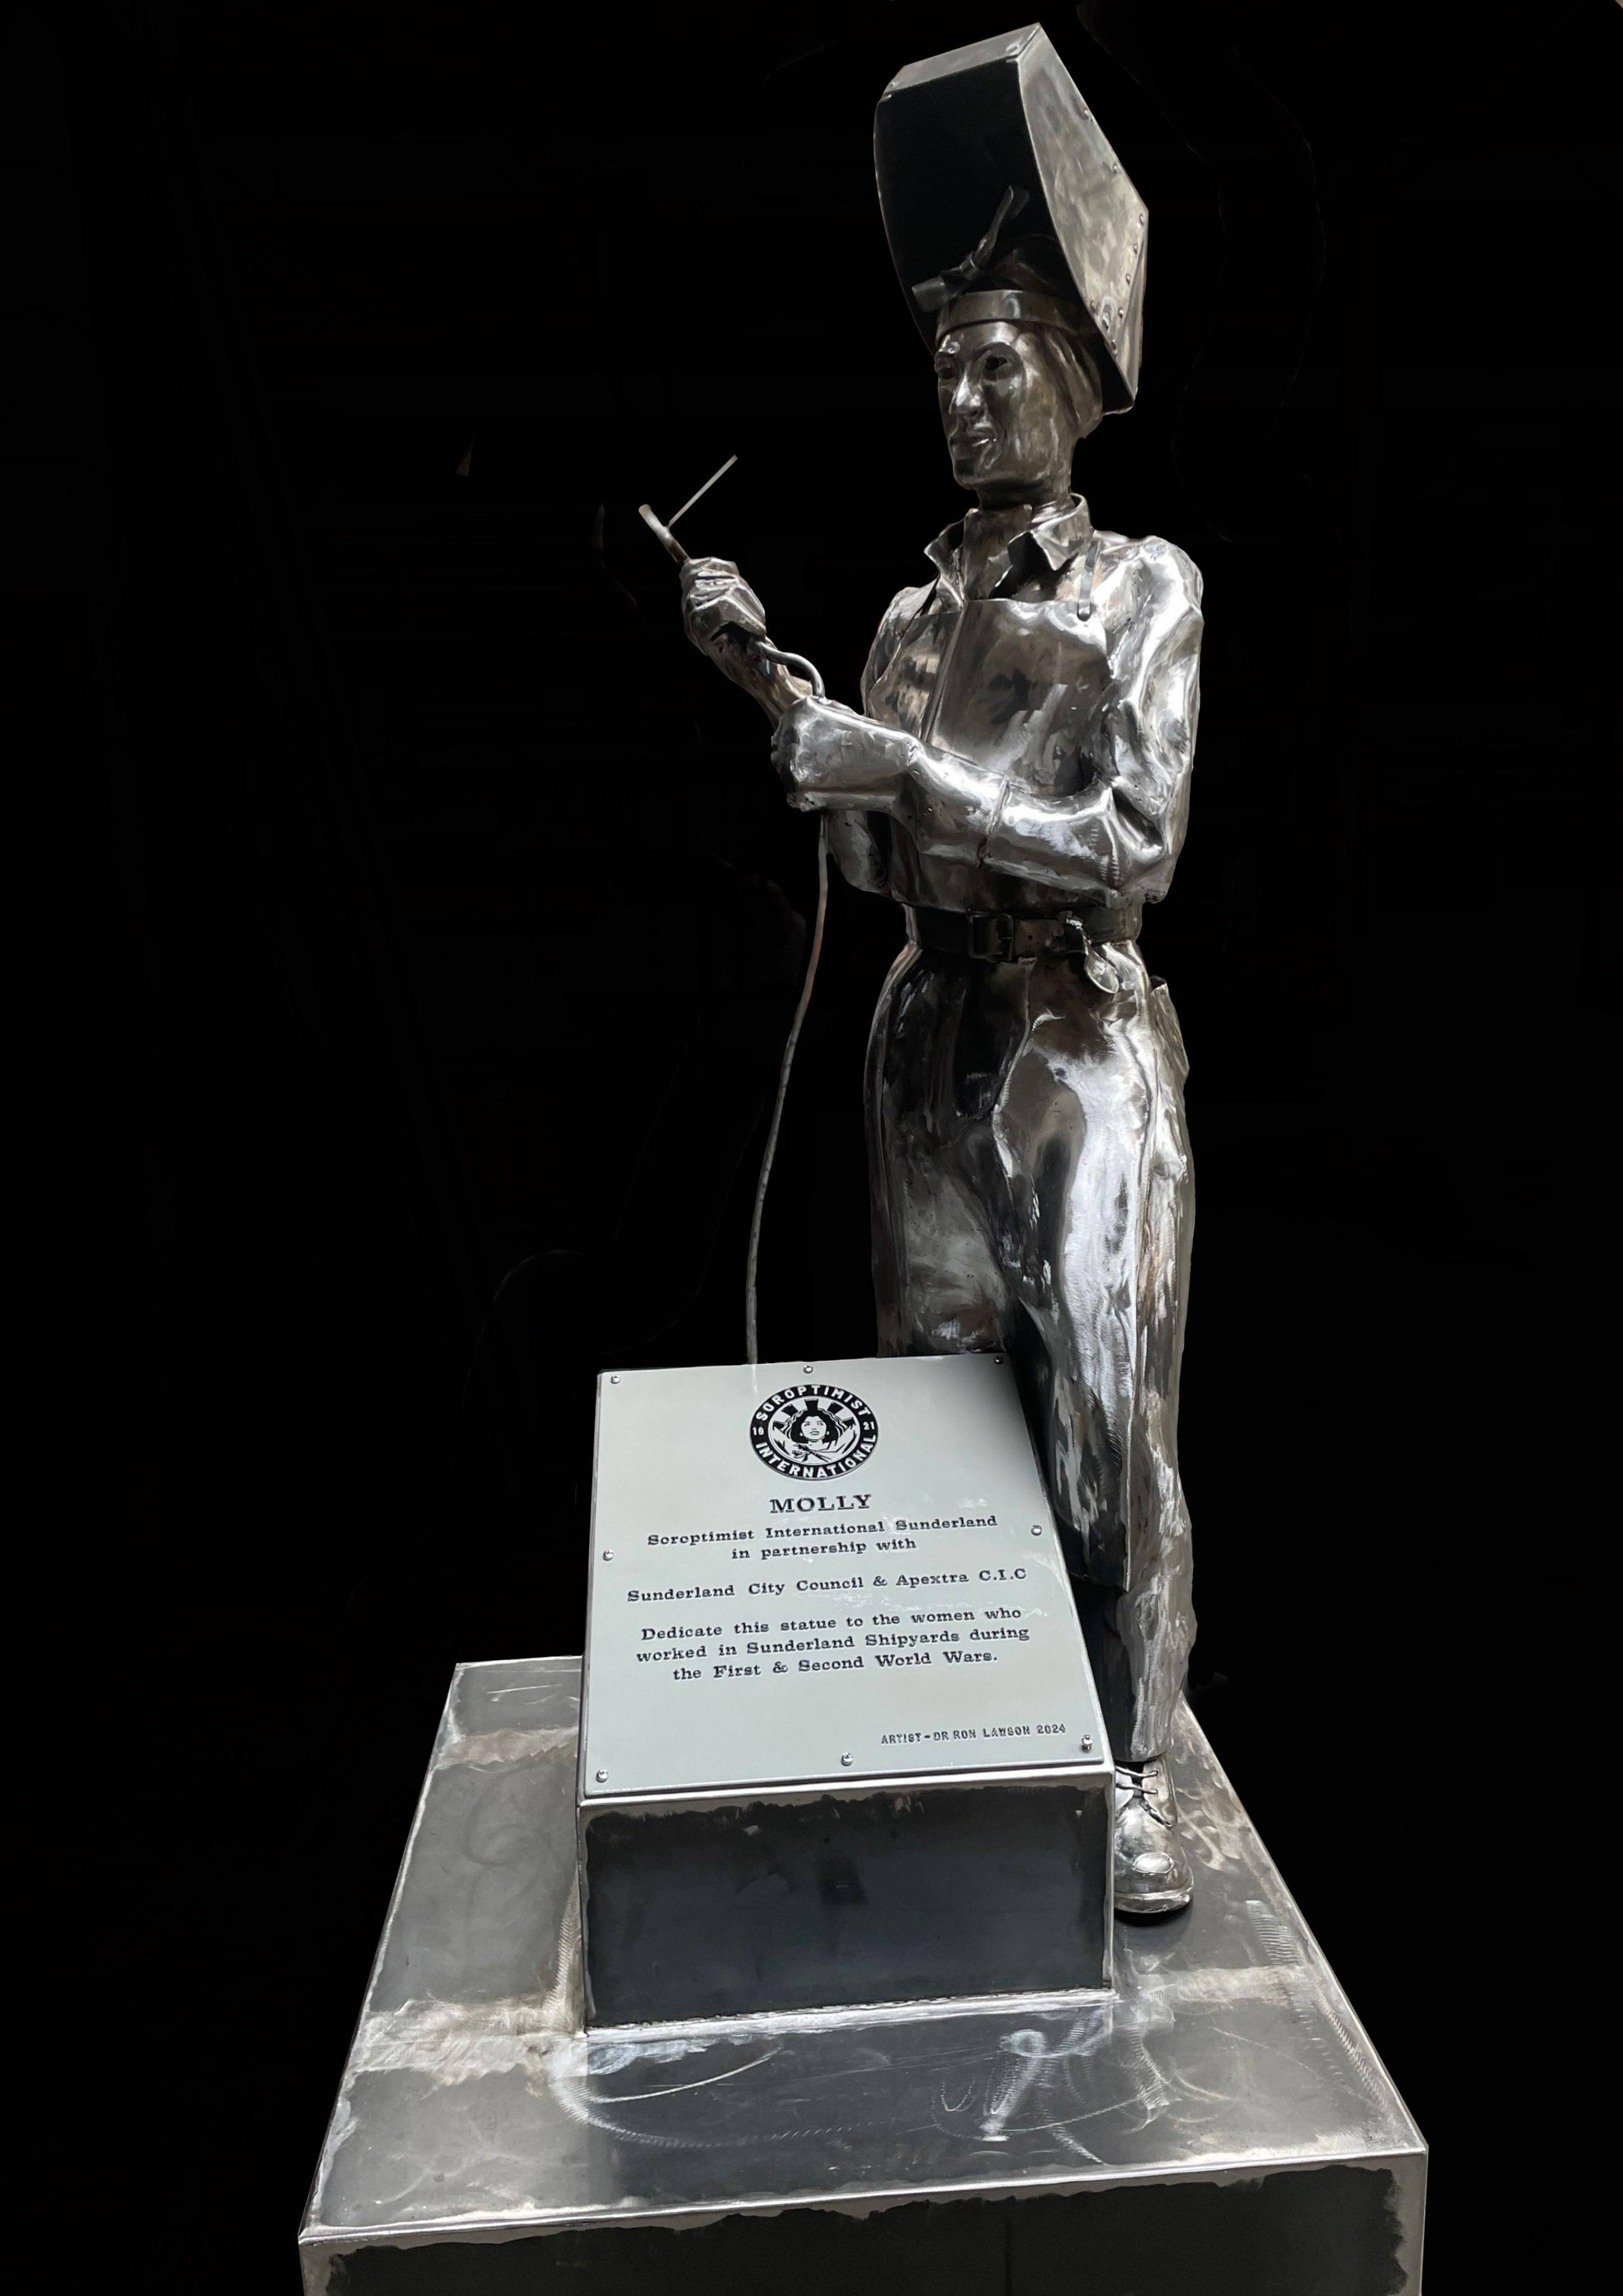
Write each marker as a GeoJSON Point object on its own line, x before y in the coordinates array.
{"type": "Point", "coordinates": [1056, 721]}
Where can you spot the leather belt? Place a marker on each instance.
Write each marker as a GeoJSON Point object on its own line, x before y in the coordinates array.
{"type": "Point", "coordinates": [994, 937]}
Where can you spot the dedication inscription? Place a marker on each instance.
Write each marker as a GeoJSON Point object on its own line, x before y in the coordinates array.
{"type": "Point", "coordinates": [815, 1572]}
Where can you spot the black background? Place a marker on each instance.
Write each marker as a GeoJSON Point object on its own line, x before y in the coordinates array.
{"type": "Point", "coordinates": [432, 919]}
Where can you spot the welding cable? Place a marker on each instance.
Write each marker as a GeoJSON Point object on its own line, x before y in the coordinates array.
{"type": "Point", "coordinates": [752, 1353]}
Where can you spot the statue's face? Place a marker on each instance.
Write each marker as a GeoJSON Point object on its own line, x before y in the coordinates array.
{"type": "Point", "coordinates": [1010, 428]}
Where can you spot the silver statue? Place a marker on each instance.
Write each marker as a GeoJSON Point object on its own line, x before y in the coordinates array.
{"type": "Point", "coordinates": [1018, 778]}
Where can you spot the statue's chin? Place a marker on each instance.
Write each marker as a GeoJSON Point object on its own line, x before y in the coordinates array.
{"type": "Point", "coordinates": [989, 473]}
{"type": "Point", "coordinates": [976, 466]}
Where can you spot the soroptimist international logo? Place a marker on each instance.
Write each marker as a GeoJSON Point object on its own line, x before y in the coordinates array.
{"type": "Point", "coordinates": [813, 1433]}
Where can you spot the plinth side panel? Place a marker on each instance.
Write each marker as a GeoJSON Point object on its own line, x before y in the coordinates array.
{"type": "Point", "coordinates": [1317, 2232]}
{"type": "Point", "coordinates": [953, 1891]}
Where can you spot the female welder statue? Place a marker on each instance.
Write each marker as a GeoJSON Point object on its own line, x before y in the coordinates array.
{"type": "Point", "coordinates": [1018, 777]}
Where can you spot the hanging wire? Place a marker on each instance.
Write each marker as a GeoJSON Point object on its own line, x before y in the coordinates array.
{"type": "Point", "coordinates": [767, 652]}
{"type": "Point", "coordinates": [752, 1353]}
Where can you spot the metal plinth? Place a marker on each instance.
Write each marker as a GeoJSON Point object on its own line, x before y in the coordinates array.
{"type": "Point", "coordinates": [1219, 2124]}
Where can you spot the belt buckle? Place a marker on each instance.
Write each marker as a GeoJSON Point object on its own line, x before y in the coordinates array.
{"type": "Point", "coordinates": [991, 935]}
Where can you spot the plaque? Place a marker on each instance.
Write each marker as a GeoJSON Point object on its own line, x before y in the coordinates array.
{"type": "Point", "coordinates": [797, 1570]}
{"type": "Point", "coordinates": [839, 1739]}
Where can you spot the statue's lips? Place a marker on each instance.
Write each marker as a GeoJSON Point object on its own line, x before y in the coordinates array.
{"type": "Point", "coordinates": [971, 442]}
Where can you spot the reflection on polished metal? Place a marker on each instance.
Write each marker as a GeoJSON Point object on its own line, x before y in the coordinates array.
{"type": "Point", "coordinates": [1017, 778]}
{"type": "Point", "coordinates": [1219, 2122]}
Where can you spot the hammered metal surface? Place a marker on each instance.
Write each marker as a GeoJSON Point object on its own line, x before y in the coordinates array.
{"type": "Point", "coordinates": [473, 2108]}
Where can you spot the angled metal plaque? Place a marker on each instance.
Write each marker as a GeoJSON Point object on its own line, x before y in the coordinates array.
{"type": "Point", "coordinates": [827, 1571]}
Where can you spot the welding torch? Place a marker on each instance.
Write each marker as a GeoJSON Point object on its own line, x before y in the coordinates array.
{"type": "Point", "coordinates": [779, 695]}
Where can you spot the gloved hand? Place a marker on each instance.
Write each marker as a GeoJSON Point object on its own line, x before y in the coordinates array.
{"type": "Point", "coordinates": [720, 612]}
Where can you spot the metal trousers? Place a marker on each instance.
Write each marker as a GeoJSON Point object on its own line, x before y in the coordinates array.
{"type": "Point", "coordinates": [1033, 1192]}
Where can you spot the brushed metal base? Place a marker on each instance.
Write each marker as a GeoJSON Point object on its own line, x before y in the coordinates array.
{"type": "Point", "coordinates": [1219, 2123]}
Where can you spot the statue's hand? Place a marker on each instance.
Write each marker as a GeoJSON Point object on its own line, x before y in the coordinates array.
{"type": "Point", "coordinates": [719, 612]}
{"type": "Point", "coordinates": [828, 755]}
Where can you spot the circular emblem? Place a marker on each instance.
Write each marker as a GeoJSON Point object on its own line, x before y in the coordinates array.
{"type": "Point", "coordinates": [813, 1433]}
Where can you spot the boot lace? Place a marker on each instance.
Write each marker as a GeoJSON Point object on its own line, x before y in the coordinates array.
{"type": "Point", "coordinates": [1143, 1785]}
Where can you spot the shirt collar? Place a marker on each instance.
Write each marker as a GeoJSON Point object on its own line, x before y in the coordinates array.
{"type": "Point", "coordinates": [1058, 538]}
{"type": "Point", "coordinates": [1061, 537]}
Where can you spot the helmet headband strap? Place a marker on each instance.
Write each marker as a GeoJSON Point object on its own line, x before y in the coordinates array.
{"type": "Point", "coordinates": [1018, 306]}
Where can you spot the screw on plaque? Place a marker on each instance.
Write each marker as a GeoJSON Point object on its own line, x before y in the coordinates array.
{"type": "Point", "coordinates": [607, 1554]}
{"type": "Point", "coordinates": [845, 1761]}
{"type": "Point", "coordinates": [603, 1777]}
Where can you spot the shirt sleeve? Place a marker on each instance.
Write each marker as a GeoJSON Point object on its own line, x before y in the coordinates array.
{"type": "Point", "coordinates": [1116, 836]}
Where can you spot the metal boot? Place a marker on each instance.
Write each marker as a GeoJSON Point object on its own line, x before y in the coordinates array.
{"type": "Point", "coordinates": [1152, 1874]}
